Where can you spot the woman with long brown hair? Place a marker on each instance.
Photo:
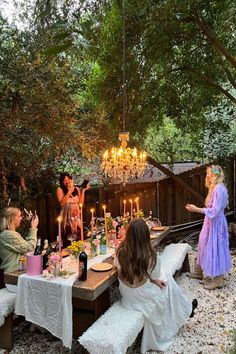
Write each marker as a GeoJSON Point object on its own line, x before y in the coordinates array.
{"type": "Point", "coordinates": [213, 258]}
{"type": "Point", "coordinates": [162, 303]}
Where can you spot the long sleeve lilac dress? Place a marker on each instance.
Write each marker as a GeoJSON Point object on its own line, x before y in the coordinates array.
{"type": "Point", "coordinates": [213, 245]}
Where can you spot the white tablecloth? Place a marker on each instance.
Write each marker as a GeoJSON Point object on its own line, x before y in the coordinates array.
{"type": "Point", "coordinates": [48, 303]}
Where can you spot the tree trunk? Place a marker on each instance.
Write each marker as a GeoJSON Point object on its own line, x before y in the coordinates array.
{"type": "Point", "coordinates": [176, 179]}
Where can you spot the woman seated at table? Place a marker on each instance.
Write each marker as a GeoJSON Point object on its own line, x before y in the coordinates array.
{"type": "Point", "coordinates": [12, 244]}
{"type": "Point", "coordinates": [163, 304]}
{"type": "Point", "coordinates": [69, 198]}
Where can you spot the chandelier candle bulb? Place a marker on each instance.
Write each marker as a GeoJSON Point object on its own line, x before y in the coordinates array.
{"type": "Point", "coordinates": [124, 211]}
{"type": "Point", "coordinates": [59, 234]}
{"type": "Point", "coordinates": [81, 222]}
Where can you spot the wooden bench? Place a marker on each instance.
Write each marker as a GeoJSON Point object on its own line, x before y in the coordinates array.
{"type": "Point", "coordinates": [7, 304]}
{"type": "Point", "coordinates": [116, 330]}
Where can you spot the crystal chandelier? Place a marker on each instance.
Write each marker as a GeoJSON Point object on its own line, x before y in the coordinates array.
{"type": "Point", "coordinates": [122, 163]}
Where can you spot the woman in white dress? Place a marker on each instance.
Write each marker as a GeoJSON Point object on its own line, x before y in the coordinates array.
{"type": "Point", "coordinates": [163, 304]}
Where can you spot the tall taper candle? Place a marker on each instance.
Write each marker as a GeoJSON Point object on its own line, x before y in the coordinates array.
{"type": "Point", "coordinates": [131, 209]}
{"type": "Point", "coordinates": [124, 211]}
{"type": "Point", "coordinates": [92, 221]}
{"type": "Point", "coordinates": [81, 222]}
{"type": "Point", "coordinates": [59, 234]}
{"type": "Point", "coordinates": [137, 203]}
{"type": "Point", "coordinates": [105, 221]}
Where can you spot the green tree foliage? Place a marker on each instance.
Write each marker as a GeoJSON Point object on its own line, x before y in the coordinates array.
{"type": "Point", "coordinates": [40, 116]}
{"type": "Point", "coordinates": [62, 79]}
{"type": "Point", "coordinates": [168, 144]}
{"type": "Point", "coordinates": [179, 61]}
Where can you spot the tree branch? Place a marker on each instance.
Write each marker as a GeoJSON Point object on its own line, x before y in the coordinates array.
{"type": "Point", "coordinates": [209, 81]}
{"type": "Point", "coordinates": [217, 44]}
{"type": "Point", "coordinates": [176, 178]}
{"type": "Point", "coordinates": [228, 73]}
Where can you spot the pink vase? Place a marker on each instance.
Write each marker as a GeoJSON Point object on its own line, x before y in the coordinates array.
{"type": "Point", "coordinates": [34, 264]}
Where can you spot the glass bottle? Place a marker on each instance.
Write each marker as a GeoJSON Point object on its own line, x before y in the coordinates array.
{"type": "Point", "coordinates": [93, 244]}
{"type": "Point", "coordinates": [83, 259]}
{"type": "Point", "coordinates": [38, 248]}
{"type": "Point", "coordinates": [103, 243]}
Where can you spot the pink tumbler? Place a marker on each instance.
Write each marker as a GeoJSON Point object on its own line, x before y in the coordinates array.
{"type": "Point", "coordinates": [34, 264]}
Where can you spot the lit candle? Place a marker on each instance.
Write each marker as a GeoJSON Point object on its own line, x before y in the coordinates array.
{"type": "Point", "coordinates": [59, 234]}
{"type": "Point", "coordinates": [105, 221]}
{"type": "Point", "coordinates": [92, 221]}
{"type": "Point", "coordinates": [137, 203]}
{"type": "Point", "coordinates": [131, 209]}
{"type": "Point", "coordinates": [124, 211]}
{"type": "Point", "coordinates": [81, 222]}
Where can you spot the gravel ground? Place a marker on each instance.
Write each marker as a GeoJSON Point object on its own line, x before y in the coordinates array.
{"type": "Point", "coordinates": [210, 331]}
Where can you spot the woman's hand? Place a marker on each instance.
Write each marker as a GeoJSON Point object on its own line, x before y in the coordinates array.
{"type": "Point", "coordinates": [86, 188]}
{"type": "Point", "coordinates": [193, 208]}
{"type": "Point", "coordinates": [159, 282]}
{"type": "Point", "coordinates": [34, 222]}
{"type": "Point", "coordinates": [71, 187]}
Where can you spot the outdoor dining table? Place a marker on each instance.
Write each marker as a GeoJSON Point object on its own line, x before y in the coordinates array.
{"type": "Point", "coordinates": [90, 298]}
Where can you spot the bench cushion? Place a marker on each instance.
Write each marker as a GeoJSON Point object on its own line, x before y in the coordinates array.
{"type": "Point", "coordinates": [113, 332]}
{"type": "Point", "coordinates": [7, 304]}
{"type": "Point", "coordinates": [173, 257]}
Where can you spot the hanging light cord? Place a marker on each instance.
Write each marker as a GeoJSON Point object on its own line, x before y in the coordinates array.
{"type": "Point", "coordinates": [124, 87]}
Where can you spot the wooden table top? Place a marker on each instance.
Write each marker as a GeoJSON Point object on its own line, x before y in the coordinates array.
{"type": "Point", "coordinates": [97, 282]}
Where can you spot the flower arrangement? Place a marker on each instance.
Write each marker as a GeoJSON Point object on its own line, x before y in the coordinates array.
{"type": "Point", "coordinates": [54, 261]}
{"type": "Point", "coordinates": [139, 214]}
{"type": "Point", "coordinates": [94, 246]}
{"type": "Point", "coordinates": [76, 248]}
{"type": "Point", "coordinates": [110, 223]}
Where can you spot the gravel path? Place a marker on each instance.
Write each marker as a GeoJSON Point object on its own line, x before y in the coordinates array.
{"type": "Point", "coordinates": [210, 331]}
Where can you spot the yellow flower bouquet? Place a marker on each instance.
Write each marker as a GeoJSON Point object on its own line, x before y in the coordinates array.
{"type": "Point", "coordinates": [76, 248]}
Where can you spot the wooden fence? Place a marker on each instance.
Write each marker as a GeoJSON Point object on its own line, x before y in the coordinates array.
{"type": "Point", "coordinates": [166, 199]}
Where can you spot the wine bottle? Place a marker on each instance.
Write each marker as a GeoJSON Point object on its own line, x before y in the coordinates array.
{"type": "Point", "coordinates": [46, 252]}
{"type": "Point", "coordinates": [83, 266]}
{"type": "Point", "coordinates": [94, 236]}
{"type": "Point", "coordinates": [38, 248]}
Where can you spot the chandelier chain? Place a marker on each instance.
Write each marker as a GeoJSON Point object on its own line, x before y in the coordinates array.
{"type": "Point", "coordinates": [123, 163]}
{"type": "Point", "coordinates": [124, 83]}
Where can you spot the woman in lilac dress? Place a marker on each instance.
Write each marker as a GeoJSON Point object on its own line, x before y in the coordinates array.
{"type": "Point", "coordinates": [213, 247]}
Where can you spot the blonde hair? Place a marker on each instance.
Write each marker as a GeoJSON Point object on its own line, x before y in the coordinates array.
{"type": "Point", "coordinates": [6, 218]}
{"type": "Point", "coordinates": [216, 177]}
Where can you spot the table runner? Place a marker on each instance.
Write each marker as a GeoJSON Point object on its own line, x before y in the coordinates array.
{"type": "Point", "coordinates": [48, 303]}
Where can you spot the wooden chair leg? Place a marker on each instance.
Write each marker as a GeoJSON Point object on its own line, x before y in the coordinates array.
{"type": "Point", "coordinates": [6, 333]}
